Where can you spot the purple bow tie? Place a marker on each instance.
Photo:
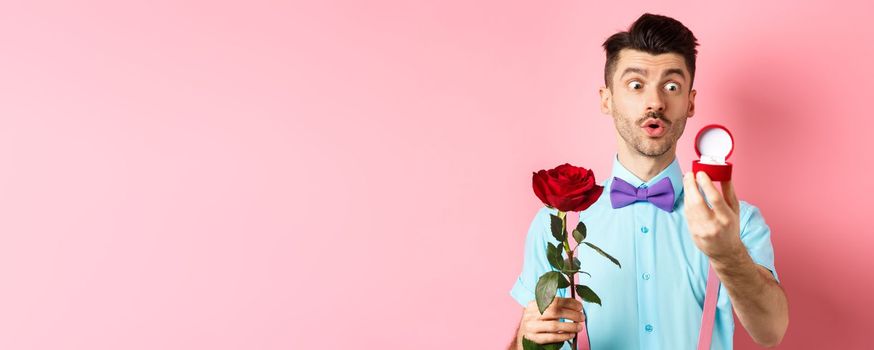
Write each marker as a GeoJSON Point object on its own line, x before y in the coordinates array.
{"type": "Point", "coordinates": [661, 194]}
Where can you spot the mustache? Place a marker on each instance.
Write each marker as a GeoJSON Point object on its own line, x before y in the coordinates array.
{"type": "Point", "coordinates": [654, 115]}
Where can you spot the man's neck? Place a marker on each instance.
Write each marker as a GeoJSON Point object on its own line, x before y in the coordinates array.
{"type": "Point", "coordinates": [642, 166]}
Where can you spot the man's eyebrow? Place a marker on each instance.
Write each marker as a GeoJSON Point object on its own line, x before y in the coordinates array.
{"type": "Point", "coordinates": [677, 71]}
{"type": "Point", "coordinates": [643, 72]}
{"type": "Point", "coordinates": [640, 71]}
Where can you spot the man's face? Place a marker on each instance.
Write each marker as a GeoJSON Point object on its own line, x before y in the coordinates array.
{"type": "Point", "coordinates": [650, 100]}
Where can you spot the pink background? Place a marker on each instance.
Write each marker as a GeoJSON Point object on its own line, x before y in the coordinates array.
{"type": "Point", "coordinates": [349, 174]}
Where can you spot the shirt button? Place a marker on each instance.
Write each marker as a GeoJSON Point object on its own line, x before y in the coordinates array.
{"type": "Point", "coordinates": [644, 229]}
{"type": "Point", "coordinates": [648, 328]}
{"type": "Point", "coordinates": [646, 276]}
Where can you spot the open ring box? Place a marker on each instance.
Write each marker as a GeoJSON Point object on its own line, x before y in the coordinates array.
{"type": "Point", "coordinates": [714, 144]}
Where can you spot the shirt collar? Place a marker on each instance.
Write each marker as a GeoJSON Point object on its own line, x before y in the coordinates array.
{"type": "Point", "coordinates": [672, 171]}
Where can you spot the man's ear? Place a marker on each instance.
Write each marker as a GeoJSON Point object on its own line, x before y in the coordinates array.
{"type": "Point", "coordinates": [691, 111]}
{"type": "Point", "coordinates": [606, 95]}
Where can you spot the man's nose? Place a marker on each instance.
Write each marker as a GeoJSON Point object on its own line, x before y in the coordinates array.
{"type": "Point", "coordinates": [655, 102]}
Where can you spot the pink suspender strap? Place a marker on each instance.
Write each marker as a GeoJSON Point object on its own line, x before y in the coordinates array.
{"type": "Point", "coordinates": [709, 315]}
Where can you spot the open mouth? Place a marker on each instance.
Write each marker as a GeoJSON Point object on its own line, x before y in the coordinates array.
{"type": "Point", "coordinates": [654, 127]}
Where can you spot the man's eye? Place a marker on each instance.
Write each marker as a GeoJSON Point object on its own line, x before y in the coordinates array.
{"type": "Point", "coordinates": [672, 87]}
{"type": "Point", "coordinates": [635, 85]}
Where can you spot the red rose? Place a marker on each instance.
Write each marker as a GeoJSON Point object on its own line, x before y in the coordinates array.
{"type": "Point", "coordinates": [567, 187]}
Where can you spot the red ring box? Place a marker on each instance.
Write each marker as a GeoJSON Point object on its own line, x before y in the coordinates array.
{"type": "Point", "coordinates": [714, 144]}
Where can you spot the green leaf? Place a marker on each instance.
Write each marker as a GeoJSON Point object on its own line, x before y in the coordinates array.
{"type": "Point", "coordinates": [557, 225]}
{"type": "Point", "coordinates": [544, 292]}
{"type": "Point", "coordinates": [553, 255]}
{"type": "Point", "coordinates": [600, 251]}
{"type": "Point", "coordinates": [573, 265]}
{"type": "Point", "coordinates": [588, 294]}
{"type": "Point", "coordinates": [530, 345]}
{"type": "Point", "coordinates": [580, 232]}
{"type": "Point", "coordinates": [563, 282]}
{"type": "Point", "coordinates": [552, 346]}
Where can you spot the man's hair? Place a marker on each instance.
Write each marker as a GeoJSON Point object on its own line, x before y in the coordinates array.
{"type": "Point", "coordinates": [653, 34]}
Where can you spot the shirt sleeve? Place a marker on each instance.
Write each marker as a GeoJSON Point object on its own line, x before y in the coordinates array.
{"type": "Point", "coordinates": [534, 262]}
{"type": "Point", "coordinates": [756, 236]}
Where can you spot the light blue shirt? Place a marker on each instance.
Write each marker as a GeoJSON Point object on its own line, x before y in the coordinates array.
{"type": "Point", "coordinates": [655, 300]}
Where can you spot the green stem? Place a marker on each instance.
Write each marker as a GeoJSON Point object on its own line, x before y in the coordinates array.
{"type": "Point", "coordinates": [570, 259]}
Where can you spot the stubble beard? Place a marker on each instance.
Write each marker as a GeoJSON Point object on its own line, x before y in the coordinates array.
{"type": "Point", "coordinates": [642, 144]}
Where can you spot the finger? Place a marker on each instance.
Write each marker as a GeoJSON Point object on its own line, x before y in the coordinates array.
{"type": "Point", "coordinates": [546, 338]}
{"type": "Point", "coordinates": [555, 327]}
{"type": "Point", "coordinates": [730, 196]}
{"type": "Point", "coordinates": [713, 196]}
{"type": "Point", "coordinates": [568, 303]}
{"type": "Point", "coordinates": [695, 206]}
{"type": "Point", "coordinates": [554, 314]}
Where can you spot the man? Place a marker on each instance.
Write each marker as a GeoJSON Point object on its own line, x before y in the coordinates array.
{"type": "Point", "coordinates": [655, 300]}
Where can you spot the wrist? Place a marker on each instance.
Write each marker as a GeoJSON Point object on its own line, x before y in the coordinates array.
{"type": "Point", "coordinates": [734, 258]}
